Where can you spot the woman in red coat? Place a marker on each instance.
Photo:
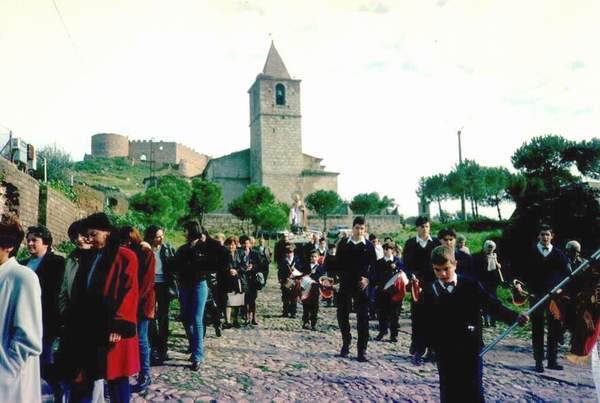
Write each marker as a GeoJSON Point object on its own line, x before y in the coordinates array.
{"type": "Point", "coordinates": [103, 325]}
{"type": "Point", "coordinates": [131, 238]}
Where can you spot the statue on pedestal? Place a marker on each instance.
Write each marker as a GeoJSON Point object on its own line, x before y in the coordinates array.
{"type": "Point", "coordinates": [298, 214]}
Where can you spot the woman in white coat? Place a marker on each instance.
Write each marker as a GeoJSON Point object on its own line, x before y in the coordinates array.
{"type": "Point", "coordinates": [20, 321]}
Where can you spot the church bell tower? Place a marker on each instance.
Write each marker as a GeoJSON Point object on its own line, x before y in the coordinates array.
{"type": "Point", "coordinates": [276, 158]}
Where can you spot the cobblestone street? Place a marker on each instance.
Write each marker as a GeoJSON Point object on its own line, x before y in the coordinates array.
{"type": "Point", "coordinates": [279, 361]}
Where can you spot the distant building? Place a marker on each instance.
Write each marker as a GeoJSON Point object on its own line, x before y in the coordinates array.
{"type": "Point", "coordinates": [275, 158]}
{"type": "Point", "coordinates": [112, 145]}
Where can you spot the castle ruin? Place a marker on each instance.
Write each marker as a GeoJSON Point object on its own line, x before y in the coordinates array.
{"type": "Point", "coordinates": [111, 145]}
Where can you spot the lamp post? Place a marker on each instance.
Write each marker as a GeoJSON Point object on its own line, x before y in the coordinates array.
{"type": "Point", "coordinates": [460, 161]}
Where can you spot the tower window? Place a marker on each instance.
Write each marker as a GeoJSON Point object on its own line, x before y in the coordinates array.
{"type": "Point", "coordinates": [280, 94]}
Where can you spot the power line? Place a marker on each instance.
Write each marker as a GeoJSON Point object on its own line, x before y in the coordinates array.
{"type": "Point", "coordinates": [62, 20]}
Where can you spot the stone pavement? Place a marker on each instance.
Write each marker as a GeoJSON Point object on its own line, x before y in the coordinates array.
{"type": "Point", "coordinates": [279, 361]}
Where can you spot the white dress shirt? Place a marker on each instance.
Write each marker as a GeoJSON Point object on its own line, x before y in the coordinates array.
{"type": "Point", "coordinates": [545, 252]}
{"type": "Point", "coordinates": [423, 242]}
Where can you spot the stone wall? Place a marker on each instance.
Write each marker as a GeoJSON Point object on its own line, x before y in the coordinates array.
{"type": "Point", "coordinates": [232, 173]}
{"type": "Point", "coordinates": [23, 195]}
{"type": "Point", "coordinates": [20, 193]}
{"type": "Point", "coordinates": [168, 152]}
{"type": "Point", "coordinates": [377, 224]}
{"type": "Point", "coordinates": [191, 162]}
{"type": "Point", "coordinates": [57, 213]}
{"type": "Point", "coordinates": [88, 199]}
{"type": "Point", "coordinates": [151, 150]}
{"type": "Point", "coordinates": [110, 145]}
{"type": "Point", "coordinates": [313, 181]}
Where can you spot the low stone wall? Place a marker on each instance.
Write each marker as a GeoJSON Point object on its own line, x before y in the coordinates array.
{"type": "Point", "coordinates": [222, 223]}
{"type": "Point", "coordinates": [377, 223]}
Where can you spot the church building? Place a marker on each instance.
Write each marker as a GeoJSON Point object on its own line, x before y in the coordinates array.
{"type": "Point", "coordinates": [275, 158]}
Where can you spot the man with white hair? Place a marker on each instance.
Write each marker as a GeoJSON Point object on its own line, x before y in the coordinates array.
{"type": "Point", "coordinates": [487, 270]}
{"type": "Point", "coordinates": [573, 251]}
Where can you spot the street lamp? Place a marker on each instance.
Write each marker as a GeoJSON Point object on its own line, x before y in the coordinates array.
{"type": "Point", "coordinates": [460, 161]}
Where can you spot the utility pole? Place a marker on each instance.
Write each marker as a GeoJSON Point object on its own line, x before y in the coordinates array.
{"type": "Point", "coordinates": [152, 180]}
{"type": "Point", "coordinates": [460, 161]}
{"type": "Point", "coordinates": [45, 170]}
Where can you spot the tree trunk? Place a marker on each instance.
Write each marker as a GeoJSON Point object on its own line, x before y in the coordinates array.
{"type": "Point", "coordinates": [476, 209]}
{"type": "Point", "coordinates": [498, 208]}
{"type": "Point", "coordinates": [441, 212]}
{"type": "Point", "coordinates": [324, 225]}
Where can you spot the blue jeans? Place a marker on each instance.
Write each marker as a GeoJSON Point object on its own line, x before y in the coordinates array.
{"type": "Point", "coordinates": [193, 299]}
{"type": "Point", "coordinates": [142, 329]}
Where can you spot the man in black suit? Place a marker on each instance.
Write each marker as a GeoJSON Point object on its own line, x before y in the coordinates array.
{"type": "Point", "coordinates": [452, 307]}
{"type": "Point", "coordinates": [417, 262]}
{"type": "Point", "coordinates": [50, 269]}
{"type": "Point", "coordinates": [354, 260]}
{"type": "Point", "coordinates": [543, 268]}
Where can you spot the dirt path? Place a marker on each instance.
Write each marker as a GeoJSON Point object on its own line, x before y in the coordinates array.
{"type": "Point", "coordinates": [279, 361]}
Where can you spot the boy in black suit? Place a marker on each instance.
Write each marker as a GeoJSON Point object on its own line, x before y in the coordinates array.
{"type": "Point", "coordinates": [543, 268]}
{"type": "Point", "coordinates": [416, 256]}
{"type": "Point", "coordinates": [388, 310]}
{"type": "Point", "coordinates": [310, 301]}
{"type": "Point", "coordinates": [452, 306]}
{"type": "Point", "coordinates": [285, 266]}
{"type": "Point", "coordinates": [464, 261]}
{"type": "Point", "coordinates": [354, 260]}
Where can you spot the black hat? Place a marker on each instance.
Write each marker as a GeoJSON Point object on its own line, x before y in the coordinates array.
{"type": "Point", "coordinates": [97, 221]}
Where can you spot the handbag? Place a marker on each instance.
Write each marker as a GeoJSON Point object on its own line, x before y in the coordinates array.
{"type": "Point", "coordinates": [259, 279]}
{"type": "Point", "coordinates": [236, 298]}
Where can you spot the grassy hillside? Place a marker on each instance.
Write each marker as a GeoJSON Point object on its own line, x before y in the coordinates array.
{"type": "Point", "coordinates": [117, 173]}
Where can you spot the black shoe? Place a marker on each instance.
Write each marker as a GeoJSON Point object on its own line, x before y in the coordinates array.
{"type": "Point", "coordinates": [195, 366]}
{"type": "Point", "coordinates": [313, 328]}
{"type": "Point", "coordinates": [362, 357]}
{"type": "Point", "coordinates": [344, 352]}
{"type": "Point", "coordinates": [555, 366]}
{"type": "Point", "coordinates": [254, 322]}
{"type": "Point", "coordinates": [236, 325]}
{"type": "Point", "coordinates": [218, 332]}
{"type": "Point", "coordinates": [305, 326]}
{"type": "Point", "coordinates": [393, 340]}
{"type": "Point", "coordinates": [284, 315]}
{"type": "Point", "coordinates": [417, 360]}
{"type": "Point", "coordinates": [293, 316]}
{"type": "Point", "coordinates": [227, 326]}
{"type": "Point", "coordinates": [143, 382]}
{"type": "Point", "coordinates": [539, 367]}
{"type": "Point", "coordinates": [379, 336]}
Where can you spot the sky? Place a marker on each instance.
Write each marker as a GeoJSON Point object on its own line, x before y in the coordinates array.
{"type": "Point", "coordinates": [385, 84]}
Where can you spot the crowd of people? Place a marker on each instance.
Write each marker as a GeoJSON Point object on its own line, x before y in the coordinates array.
{"type": "Point", "coordinates": [88, 322]}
